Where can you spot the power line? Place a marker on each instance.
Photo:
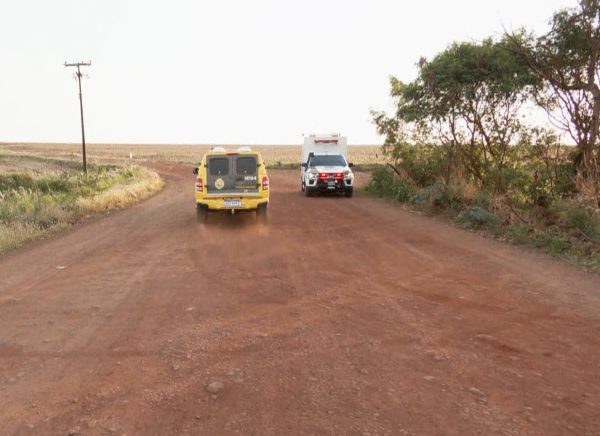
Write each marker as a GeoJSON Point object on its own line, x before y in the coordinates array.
{"type": "Point", "coordinates": [78, 65]}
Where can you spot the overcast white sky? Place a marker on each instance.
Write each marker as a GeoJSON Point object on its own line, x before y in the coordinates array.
{"type": "Point", "coordinates": [228, 71]}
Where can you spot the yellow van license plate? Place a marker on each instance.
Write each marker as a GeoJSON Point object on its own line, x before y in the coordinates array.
{"type": "Point", "coordinates": [232, 203]}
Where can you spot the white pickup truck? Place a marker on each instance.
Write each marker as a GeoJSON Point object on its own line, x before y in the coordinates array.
{"type": "Point", "coordinates": [325, 166]}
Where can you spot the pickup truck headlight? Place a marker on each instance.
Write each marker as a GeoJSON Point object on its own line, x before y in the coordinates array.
{"type": "Point", "coordinates": [312, 175]}
{"type": "Point", "coordinates": [348, 174]}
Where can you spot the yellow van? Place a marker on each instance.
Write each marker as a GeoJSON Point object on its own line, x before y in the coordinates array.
{"type": "Point", "coordinates": [232, 181]}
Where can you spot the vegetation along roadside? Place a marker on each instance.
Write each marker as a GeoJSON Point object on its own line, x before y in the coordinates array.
{"type": "Point", "coordinates": [461, 142]}
{"type": "Point", "coordinates": [39, 197]}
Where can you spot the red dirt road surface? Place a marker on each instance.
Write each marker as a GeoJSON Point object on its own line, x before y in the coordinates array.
{"type": "Point", "coordinates": [338, 316]}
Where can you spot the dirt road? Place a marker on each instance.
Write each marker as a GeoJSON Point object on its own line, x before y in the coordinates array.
{"type": "Point", "coordinates": [338, 316]}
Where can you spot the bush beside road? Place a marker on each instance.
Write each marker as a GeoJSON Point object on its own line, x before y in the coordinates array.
{"type": "Point", "coordinates": [568, 227]}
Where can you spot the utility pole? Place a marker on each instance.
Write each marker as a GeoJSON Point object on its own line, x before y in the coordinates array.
{"type": "Point", "coordinates": [78, 74]}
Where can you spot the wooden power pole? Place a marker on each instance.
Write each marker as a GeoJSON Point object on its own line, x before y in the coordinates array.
{"type": "Point", "coordinates": [78, 65]}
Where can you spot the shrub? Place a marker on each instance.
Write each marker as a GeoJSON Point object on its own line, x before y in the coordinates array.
{"type": "Point", "coordinates": [424, 164]}
{"type": "Point", "coordinates": [384, 183]}
{"type": "Point", "coordinates": [573, 214]}
{"type": "Point", "coordinates": [477, 216]}
{"type": "Point", "coordinates": [402, 191]}
{"type": "Point", "coordinates": [438, 196]}
{"type": "Point", "coordinates": [381, 182]}
{"type": "Point", "coordinates": [553, 241]}
{"type": "Point", "coordinates": [580, 219]}
{"type": "Point", "coordinates": [518, 233]}
{"type": "Point", "coordinates": [483, 199]}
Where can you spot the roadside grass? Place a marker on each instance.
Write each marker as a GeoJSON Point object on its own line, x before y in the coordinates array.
{"type": "Point", "coordinates": [568, 229]}
{"type": "Point", "coordinates": [35, 204]}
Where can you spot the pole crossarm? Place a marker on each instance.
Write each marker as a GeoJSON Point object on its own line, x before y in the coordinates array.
{"type": "Point", "coordinates": [78, 64]}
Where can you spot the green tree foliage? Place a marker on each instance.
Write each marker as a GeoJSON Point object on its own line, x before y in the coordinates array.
{"type": "Point", "coordinates": [567, 59]}
{"type": "Point", "coordinates": [466, 101]}
{"type": "Point", "coordinates": [461, 145]}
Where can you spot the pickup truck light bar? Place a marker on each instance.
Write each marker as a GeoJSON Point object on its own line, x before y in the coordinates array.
{"type": "Point", "coordinates": [337, 176]}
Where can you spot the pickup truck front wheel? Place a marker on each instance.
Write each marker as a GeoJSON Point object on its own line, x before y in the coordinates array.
{"type": "Point", "coordinates": [349, 192]}
{"type": "Point", "coordinates": [308, 192]}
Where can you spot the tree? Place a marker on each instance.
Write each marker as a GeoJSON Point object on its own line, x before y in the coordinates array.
{"type": "Point", "coordinates": [567, 59]}
{"type": "Point", "coordinates": [468, 101]}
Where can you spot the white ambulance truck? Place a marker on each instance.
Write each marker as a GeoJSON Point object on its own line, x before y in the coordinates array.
{"type": "Point", "coordinates": [325, 166]}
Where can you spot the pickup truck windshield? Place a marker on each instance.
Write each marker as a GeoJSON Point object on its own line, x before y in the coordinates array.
{"type": "Point", "coordinates": [327, 161]}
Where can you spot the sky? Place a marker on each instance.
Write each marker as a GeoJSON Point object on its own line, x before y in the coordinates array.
{"type": "Point", "coordinates": [228, 71]}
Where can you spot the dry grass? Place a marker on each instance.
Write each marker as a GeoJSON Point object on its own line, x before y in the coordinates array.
{"type": "Point", "coordinates": [37, 166]}
{"type": "Point", "coordinates": [189, 154]}
{"type": "Point", "coordinates": [146, 183]}
{"type": "Point", "coordinates": [42, 203]}
{"type": "Point", "coordinates": [16, 234]}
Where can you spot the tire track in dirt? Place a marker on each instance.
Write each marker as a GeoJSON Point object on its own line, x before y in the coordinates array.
{"type": "Point", "coordinates": [338, 316]}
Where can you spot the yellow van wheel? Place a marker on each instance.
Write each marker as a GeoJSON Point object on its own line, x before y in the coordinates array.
{"type": "Point", "coordinates": [261, 212]}
{"type": "Point", "coordinates": [201, 212]}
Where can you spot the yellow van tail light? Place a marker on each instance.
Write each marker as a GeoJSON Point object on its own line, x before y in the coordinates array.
{"type": "Point", "coordinates": [199, 184]}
